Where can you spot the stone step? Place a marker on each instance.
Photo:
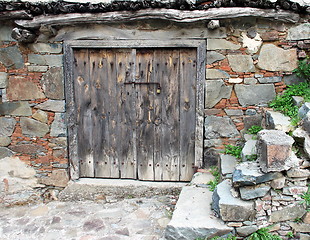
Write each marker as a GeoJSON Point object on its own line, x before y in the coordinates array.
{"type": "Point", "coordinates": [193, 217]}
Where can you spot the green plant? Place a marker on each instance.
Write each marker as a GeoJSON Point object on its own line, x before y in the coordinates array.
{"type": "Point", "coordinates": [233, 150]}
{"type": "Point", "coordinates": [303, 69]}
{"type": "Point", "coordinates": [251, 157]}
{"type": "Point", "coordinates": [284, 102]}
{"type": "Point", "coordinates": [263, 234]}
{"type": "Point", "coordinates": [254, 129]}
{"type": "Point", "coordinates": [290, 235]}
{"type": "Point", "coordinates": [298, 220]}
{"type": "Point", "coordinates": [213, 183]}
{"type": "Point", "coordinates": [306, 198]}
{"type": "Point", "coordinates": [229, 237]}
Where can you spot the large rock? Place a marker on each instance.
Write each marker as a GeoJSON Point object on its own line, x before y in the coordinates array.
{"type": "Point", "coordinates": [6, 31]}
{"type": "Point", "coordinates": [306, 123]}
{"type": "Point", "coordinates": [33, 128]}
{"type": "Point", "coordinates": [249, 174]}
{"type": "Point", "coordinates": [230, 208]}
{"type": "Point", "coordinates": [278, 121]}
{"type": "Point", "coordinates": [45, 60]}
{"type": "Point", "coordinates": [299, 32]}
{"type": "Point", "coordinates": [245, 231]}
{"type": "Point", "coordinates": [216, 127]}
{"type": "Point", "coordinates": [3, 79]}
{"type": "Point", "coordinates": [300, 227]}
{"type": "Point", "coordinates": [270, 55]}
{"type": "Point", "coordinates": [52, 105]}
{"type": "Point", "coordinates": [293, 79]}
{"type": "Point", "coordinates": [15, 109]}
{"type": "Point", "coordinates": [252, 44]}
{"type": "Point", "coordinates": [249, 149]}
{"type": "Point", "coordinates": [290, 212]}
{"type": "Point", "coordinates": [252, 192]}
{"type": "Point", "coordinates": [241, 63]}
{"type": "Point", "coordinates": [5, 141]}
{"type": "Point", "coordinates": [275, 150]}
{"type": "Point", "coordinates": [298, 173]}
{"type": "Point", "coordinates": [46, 47]}
{"type": "Point", "coordinates": [5, 152]}
{"type": "Point", "coordinates": [53, 84]}
{"type": "Point", "coordinates": [228, 163]}
{"type": "Point", "coordinates": [303, 111]}
{"type": "Point", "coordinates": [58, 127]}
{"type": "Point", "coordinates": [215, 91]}
{"type": "Point", "coordinates": [58, 178]}
{"type": "Point", "coordinates": [213, 56]}
{"type": "Point", "coordinates": [20, 88]}
{"type": "Point", "coordinates": [7, 126]}
{"type": "Point", "coordinates": [192, 216]}
{"type": "Point", "coordinates": [216, 74]}
{"type": "Point", "coordinates": [218, 44]}
{"type": "Point", "coordinates": [255, 94]}
{"type": "Point", "coordinates": [11, 57]}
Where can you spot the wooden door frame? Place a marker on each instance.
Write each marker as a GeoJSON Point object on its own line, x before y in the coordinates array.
{"type": "Point", "coordinates": [69, 46]}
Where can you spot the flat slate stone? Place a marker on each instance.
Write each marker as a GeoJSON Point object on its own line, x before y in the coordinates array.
{"type": "Point", "coordinates": [299, 32]}
{"type": "Point", "coordinates": [278, 121]}
{"type": "Point", "coordinates": [192, 217]}
{"type": "Point", "coordinates": [5, 152]}
{"type": "Point", "coordinates": [270, 79]}
{"type": "Point", "coordinates": [245, 231]}
{"type": "Point", "coordinates": [5, 141]}
{"type": "Point", "coordinates": [304, 110]}
{"type": "Point", "coordinates": [293, 79]}
{"type": "Point", "coordinates": [290, 212]}
{"type": "Point", "coordinates": [53, 83]}
{"type": "Point", "coordinates": [233, 112]}
{"type": "Point", "coordinates": [213, 56]}
{"type": "Point", "coordinates": [270, 55]}
{"type": "Point", "coordinates": [253, 192]}
{"type": "Point", "coordinates": [215, 91]}
{"type": "Point", "coordinates": [58, 178]}
{"type": "Point", "coordinates": [228, 163]}
{"type": "Point", "coordinates": [6, 32]}
{"type": "Point", "coordinates": [241, 63]}
{"type": "Point", "coordinates": [249, 95]}
{"type": "Point", "coordinates": [11, 57]}
{"type": "Point", "coordinates": [45, 60]}
{"type": "Point", "coordinates": [33, 128]}
{"type": "Point", "coordinates": [228, 207]}
{"type": "Point", "coordinates": [218, 44]}
{"type": "Point", "coordinates": [15, 109]}
{"type": "Point", "coordinates": [250, 81]}
{"type": "Point", "coordinates": [216, 74]}
{"type": "Point", "coordinates": [40, 116]}
{"type": "Point", "coordinates": [28, 148]}
{"type": "Point", "coordinates": [248, 149]}
{"type": "Point", "coordinates": [3, 79]}
{"type": "Point", "coordinates": [58, 127]}
{"type": "Point", "coordinates": [52, 105]}
{"type": "Point", "coordinates": [216, 127]}
{"type": "Point", "coordinates": [7, 126]}
{"type": "Point", "coordinates": [20, 88]}
{"type": "Point", "coordinates": [35, 68]}
{"type": "Point", "coordinates": [46, 47]}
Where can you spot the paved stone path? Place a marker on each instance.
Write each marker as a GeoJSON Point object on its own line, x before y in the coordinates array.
{"type": "Point", "coordinates": [136, 218]}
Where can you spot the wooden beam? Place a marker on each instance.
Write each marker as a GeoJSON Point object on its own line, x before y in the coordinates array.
{"type": "Point", "coordinates": [15, 15]}
{"type": "Point", "coordinates": [164, 14]}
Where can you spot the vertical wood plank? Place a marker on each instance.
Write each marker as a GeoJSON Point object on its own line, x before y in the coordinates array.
{"type": "Point", "coordinates": [125, 94]}
{"type": "Point", "coordinates": [144, 122]}
{"type": "Point", "coordinates": [170, 114]}
{"type": "Point", "coordinates": [82, 89]}
{"type": "Point", "coordinates": [188, 68]}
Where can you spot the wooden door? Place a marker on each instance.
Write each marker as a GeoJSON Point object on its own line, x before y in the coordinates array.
{"type": "Point", "coordinates": [136, 113]}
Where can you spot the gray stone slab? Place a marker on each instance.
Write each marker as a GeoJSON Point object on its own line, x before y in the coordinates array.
{"type": "Point", "coordinates": [248, 149]}
{"type": "Point", "coordinates": [11, 57]}
{"type": "Point", "coordinates": [241, 63]}
{"type": "Point", "coordinates": [233, 112]}
{"type": "Point", "coordinates": [5, 152]}
{"type": "Point", "coordinates": [7, 126]}
{"type": "Point", "coordinates": [306, 123]}
{"type": "Point", "coordinates": [46, 47]}
{"type": "Point", "coordinates": [216, 90]}
{"type": "Point", "coordinates": [213, 56]}
{"type": "Point", "coordinates": [216, 127]}
{"type": "Point", "coordinates": [201, 178]}
{"type": "Point", "coordinates": [216, 74]}
{"type": "Point", "coordinates": [250, 81]}
{"type": "Point", "coordinates": [270, 79]}
{"type": "Point", "coordinates": [229, 207]}
{"type": "Point", "coordinates": [58, 127]}
{"type": "Point", "coordinates": [228, 163]}
{"type": "Point", "coordinates": [290, 212]}
{"type": "Point", "coordinates": [250, 112]}
{"type": "Point", "coordinates": [299, 32]}
{"type": "Point", "coordinates": [5, 141]}
{"type": "Point", "coordinates": [35, 68]}
{"type": "Point", "coordinates": [253, 192]}
{"type": "Point", "coordinates": [45, 60]}
{"type": "Point", "coordinates": [255, 94]}
{"type": "Point", "coordinates": [298, 100]}
{"type": "Point", "coordinates": [52, 105]}
{"type": "Point", "coordinates": [33, 128]}
{"type": "Point", "coordinates": [219, 44]}
{"type": "Point", "coordinates": [53, 83]}
{"type": "Point", "coordinates": [278, 121]}
{"type": "Point", "coordinates": [40, 116]}
{"type": "Point", "coordinates": [6, 31]}
{"type": "Point", "coordinates": [245, 231]}
{"type": "Point", "coordinates": [15, 109]}
{"type": "Point", "coordinates": [270, 55]}
{"type": "Point", "coordinates": [3, 79]}
{"type": "Point", "coordinates": [303, 110]}
{"type": "Point", "coordinates": [293, 79]}
{"type": "Point", "coordinates": [212, 143]}
{"type": "Point", "coordinates": [192, 217]}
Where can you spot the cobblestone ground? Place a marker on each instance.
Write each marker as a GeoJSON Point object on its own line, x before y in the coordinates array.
{"type": "Point", "coordinates": [136, 218]}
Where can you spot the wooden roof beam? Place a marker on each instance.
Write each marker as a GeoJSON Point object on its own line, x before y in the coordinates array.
{"type": "Point", "coordinates": [164, 14]}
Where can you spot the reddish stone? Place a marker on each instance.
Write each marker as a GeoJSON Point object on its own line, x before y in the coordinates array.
{"type": "Point", "coordinates": [209, 112]}
{"type": "Point", "coordinates": [270, 36]}
{"type": "Point", "coordinates": [27, 148]}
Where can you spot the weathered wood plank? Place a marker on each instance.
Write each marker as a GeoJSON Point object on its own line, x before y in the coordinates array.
{"type": "Point", "coordinates": [84, 112]}
{"type": "Point", "coordinates": [188, 68]}
{"type": "Point", "coordinates": [126, 121]}
{"type": "Point", "coordinates": [170, 113]}
{"type": "Point", "coordinates": [164, 14]}
{"type": "Point", "coordinates": [144, 123]}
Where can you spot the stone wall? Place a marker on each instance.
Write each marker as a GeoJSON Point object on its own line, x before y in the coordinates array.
{"type": "Point", "coordinates": [249, 61]}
